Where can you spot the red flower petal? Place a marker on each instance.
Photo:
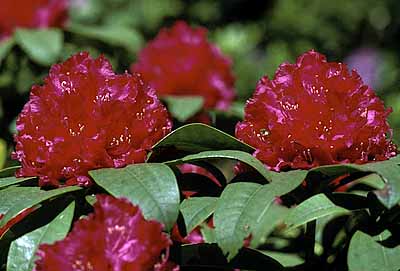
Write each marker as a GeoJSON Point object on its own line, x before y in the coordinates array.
{"type": "Point", "coordinates": [31, 14]}
{"type": "Point", "coordinates": [181, 61]}
{"type": "Point", "coordinates": [115, 237]}
{"type": "Point", "coordinates": [315, 113]}
{"type": "Point", "coordinates": [86, 117]}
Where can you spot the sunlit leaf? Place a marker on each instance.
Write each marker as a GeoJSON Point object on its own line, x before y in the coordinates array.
{"type": "Point", "coordinates": [43, 46]}
{"type": "Point", "coordinates": [7, 181]}
{"type": "Point", "coordinates": [183, 107]}
{"type": "Point", "coordinates": [247, 208]}
{"type": "Point", "coordinates": [151, 186]}
{"type": "Point", "coordinates": [14, 200]}
{"type": "Point", "coordinates": [366, 254]}
{"type": "Point", "coordinates": [117, 35]}
{"type": "Point", "coordinates": [197, 209]}
{"type": "Point", "coordinates": [311, 209]}
{"type": "Point", "coordinates": [197, 137]}
{"type": "Point", "coordinates": [22, 253]}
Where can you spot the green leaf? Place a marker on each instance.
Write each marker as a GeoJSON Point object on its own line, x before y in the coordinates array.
{"type": "Point", "coordinates": [373, 180]}
{"type": "Point", "coordinates": [273, 216]}
{"type": "Point", "coordinates": [117, 35]}
{"type": "Point", "coordinates": [366, 254]}
{"type": "Point", "coordinates": [208, 233]}
{"type": "Point", "coordinates": [8, 172]}
{"type": "Point", "coordinates": [395, 159]}
{"type": "Point", "coordinates": [311, 209]}
{"type": "Point", "coordinates": [297, 176]}
{"type": "Point", "coordinates": [226, 154]}
{"type": "Point", "coordinates": [286, 259]}
{"type": "Point", "coordinates": [197, 137]}
{"type": "Point", "coordinates": [388, 170]}
{"type": "Point", "coordinates": [91, 199]}
{"type": "Point", "coordinates": [14, 200]}
{"type": "Point", "coordinates": [3, 147]}
{"type": "Point", "coordinates": [244, 209]}
{"type": "Point", "coordinates": [390, 173]}
{"type": "Point", "coordinates": [235, 211]}
{"type": "Point", "coordinates": [5, 47]}
{"type": "Point", "coordinates": [4, 182]}
{"type": "Point", "coordinates": [151, 186]}
{"type": "Point", "coordinates": [43, 46]}
{"type": "Point", "coordinates": [183, 107]}
{"type": "Point", "coordinates": [22, 253]}
{"type": "Point", "coordinates": [236, 110]}
{"type": "Point", "coordinates": [197, 209]}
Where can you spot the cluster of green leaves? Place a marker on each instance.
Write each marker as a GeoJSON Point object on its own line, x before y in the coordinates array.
{"type": "Point", "coordinates": [261, 219]}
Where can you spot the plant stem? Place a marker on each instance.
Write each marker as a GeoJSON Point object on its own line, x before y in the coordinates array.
{"type": "Point", "coordinates": [310, 243]}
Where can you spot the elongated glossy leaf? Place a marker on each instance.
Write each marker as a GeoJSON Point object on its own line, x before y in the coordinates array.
{"type": "Point", "coordinates": [244, 209]}
{"type": "Point", "coordinates": [117, 35]}
{"type": "Point", "coordinates": [22, 253]}
{"type": "Point", "coordinates": [41, 45]}
{"type": "Point", "coordinates": [266, 223]}
{"type": "Point", "coordinates": [366, 254]}
{"type": "Point", "coordinates": [296, 176]}
{"type": "Point", "coordinates": [311, 209]}
{"type": "Point", "coordinates": [197, 137]}
{"type": "Point", "coordinates": [13, 200]}
{"type": "Point", "coordinates": [226, 154]}
{"type": "Point", "coordinates": [151, 186]}
{"type": "Point", "coordinates": [234, 213]}
{"type": "Point", "coordinates": [4, 182]}
{"type": "Point", "coordinates": [373, 180]}
{"type": "Point", "coordinates": [91, 199]}
{"type": "Point", "coordinates": [8, 172]}
{"type": "Point", "coordinates": [5, 47]}
{"type": "Point", "coordinates": [183, 107]}
{"type": "Point", "coordinates": [208, 233]}
{"type": "Point", "coordinates": [3, 151]}
{"type": "Point", "coordinates": [286, 259]}
{"type": "Point", "coordinates": [197, 209]}
{"type": "Point", "coordinates": [396, 159]}
{"type": "Point", "coordinates": [388, 170]}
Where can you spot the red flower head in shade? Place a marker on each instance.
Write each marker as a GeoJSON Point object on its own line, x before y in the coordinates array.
{"type": "Point", "coordinates": [86, 117]}
{"type": "Point", "coordinates": [115, 237]}
{"type": "Point", "coordinates": [315, 113]}
{"type": "Point", "coordinates": [31, 14]}
{"type": "Point", "coordinates": [180, 61]}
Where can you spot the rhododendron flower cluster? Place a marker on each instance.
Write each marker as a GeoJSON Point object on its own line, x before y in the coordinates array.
{"type": "Point", "coordinates": [315, 113]}
{"type": "Point", "coordinates": [86, 117]}
{"type": "Point", "coordinates": [31, 14]}
{"type": "Point", "coordinates": [181, 61]}
{"type": "Point", "coordinates": [115, 237]}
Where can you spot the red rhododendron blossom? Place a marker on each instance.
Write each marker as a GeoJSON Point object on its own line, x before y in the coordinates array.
{"type": "Point", "coordinates": [31, 14]}
{"type": "Point", "coordinates": [115, 237]}
{"type": "Point", "coordinates": [86, 117]}
{"type": "Point", "coordinates": [181, 61]}
{"type": "Point", "coordinates": [315, 113]}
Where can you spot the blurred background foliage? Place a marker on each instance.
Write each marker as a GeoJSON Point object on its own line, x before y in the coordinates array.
{"type": "Point", "coordinates": [257, 35]}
